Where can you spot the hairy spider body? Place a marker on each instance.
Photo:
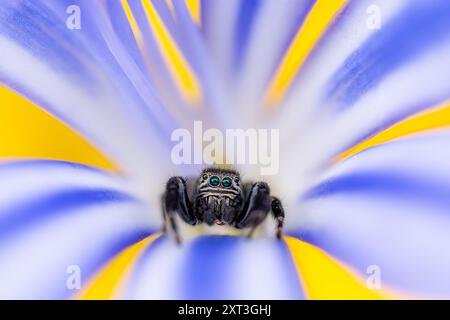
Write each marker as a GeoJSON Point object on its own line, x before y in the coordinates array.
{"type": "Point", "coordinates": [219, 197]}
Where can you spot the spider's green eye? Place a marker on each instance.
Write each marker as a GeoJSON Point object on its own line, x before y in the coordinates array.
{"type": "Point", "coordinates": [226, 182]}
{"type": "Point", "coordinates": [214, 181]}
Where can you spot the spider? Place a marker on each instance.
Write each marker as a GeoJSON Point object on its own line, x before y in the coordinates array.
{"type": "Point", "coordinates": [219, 197]}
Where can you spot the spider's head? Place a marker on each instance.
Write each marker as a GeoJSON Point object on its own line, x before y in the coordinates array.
{"type": "Point", "coordinates": [216, 187]}
{"type": "Point", "coordinates": [220, 180]}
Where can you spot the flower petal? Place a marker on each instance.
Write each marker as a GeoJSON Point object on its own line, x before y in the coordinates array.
{"type": "Point", "coordinates": [77, 78]}
{"type": "Point", "coordinates": [326, 278]}
{"type": "Point", "coordinates": [274, 26]}
{"type": "Point", "coordinates": [61, 216]}
{"type": "Point", "coordinates": [350, 89]}
{"type": "Point", "coordinates": [215, 267]}
{"type": "Point", "coordinates": [388, 207]}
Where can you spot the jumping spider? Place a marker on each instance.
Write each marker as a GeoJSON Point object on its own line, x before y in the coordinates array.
{"type": "Point", "coordinates": [219, 197]}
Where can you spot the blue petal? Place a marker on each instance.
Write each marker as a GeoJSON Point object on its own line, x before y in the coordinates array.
{"type": "Point", "coordinates": [86, 78]}
{"type": "Point", "coordinates": [57, 215]}
{"type": "Point", "coordinates": [245, 22]}
{"type": "Point", "coordinates": [388, 207]}
{"type": "Point", "coordinates": [358, 80]}
{"type": "Point", "coordinates": [384, 52]}
{"type": "Point", "coordinates": [216, 267]}
{"type": "Point", "coordinates": [275, 25]}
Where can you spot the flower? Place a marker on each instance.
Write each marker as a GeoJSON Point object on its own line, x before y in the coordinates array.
{"type": "Point", "coordinates": [360, 92]}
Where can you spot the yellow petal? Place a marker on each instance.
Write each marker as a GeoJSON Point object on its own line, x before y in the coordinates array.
{"type": "Point", "coordinates": [310, 32]}
{"type": "Point", "coordinates": [430, 119]}
{"type": "Point", "coordinates": [27, 131]}
{"type": "Point", "coordinates": [109, 282]}
{"type": "Point", "coordinates": [324, 278]}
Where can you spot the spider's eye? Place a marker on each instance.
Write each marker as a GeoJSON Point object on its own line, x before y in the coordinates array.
{"type": "Point", "coordinates": [214, 181]}
{"type": "Point", "coordinates": [205, 176]}
{"type": "Point", "coordinates": [226, 182]}
{"type": "Point", "coordinates": [236, 179]}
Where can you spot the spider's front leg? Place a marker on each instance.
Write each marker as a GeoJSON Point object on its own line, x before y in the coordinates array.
{"type": "Point", "coordinates": [278, 215]}
{"type": "Point", "coordinates": [258, 204]}
{"type": "Point", "coordinates": [176, 200]}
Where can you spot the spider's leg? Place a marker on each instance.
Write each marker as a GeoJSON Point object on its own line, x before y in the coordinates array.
{"type": "Point", "coordinates": [278, 215]}
{"type": "Point", "coordinates": [164, 215]}
{"type": "Point", "coordinates": [251, 231]}
{"type": "Point", "coordinates": [176, 200]}
{"type": "Point", "coordinates": [256, 208]}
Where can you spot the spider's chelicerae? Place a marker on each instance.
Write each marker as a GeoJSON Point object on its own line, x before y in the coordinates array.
{"type": "Point", "coordinates": [219, 197]}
